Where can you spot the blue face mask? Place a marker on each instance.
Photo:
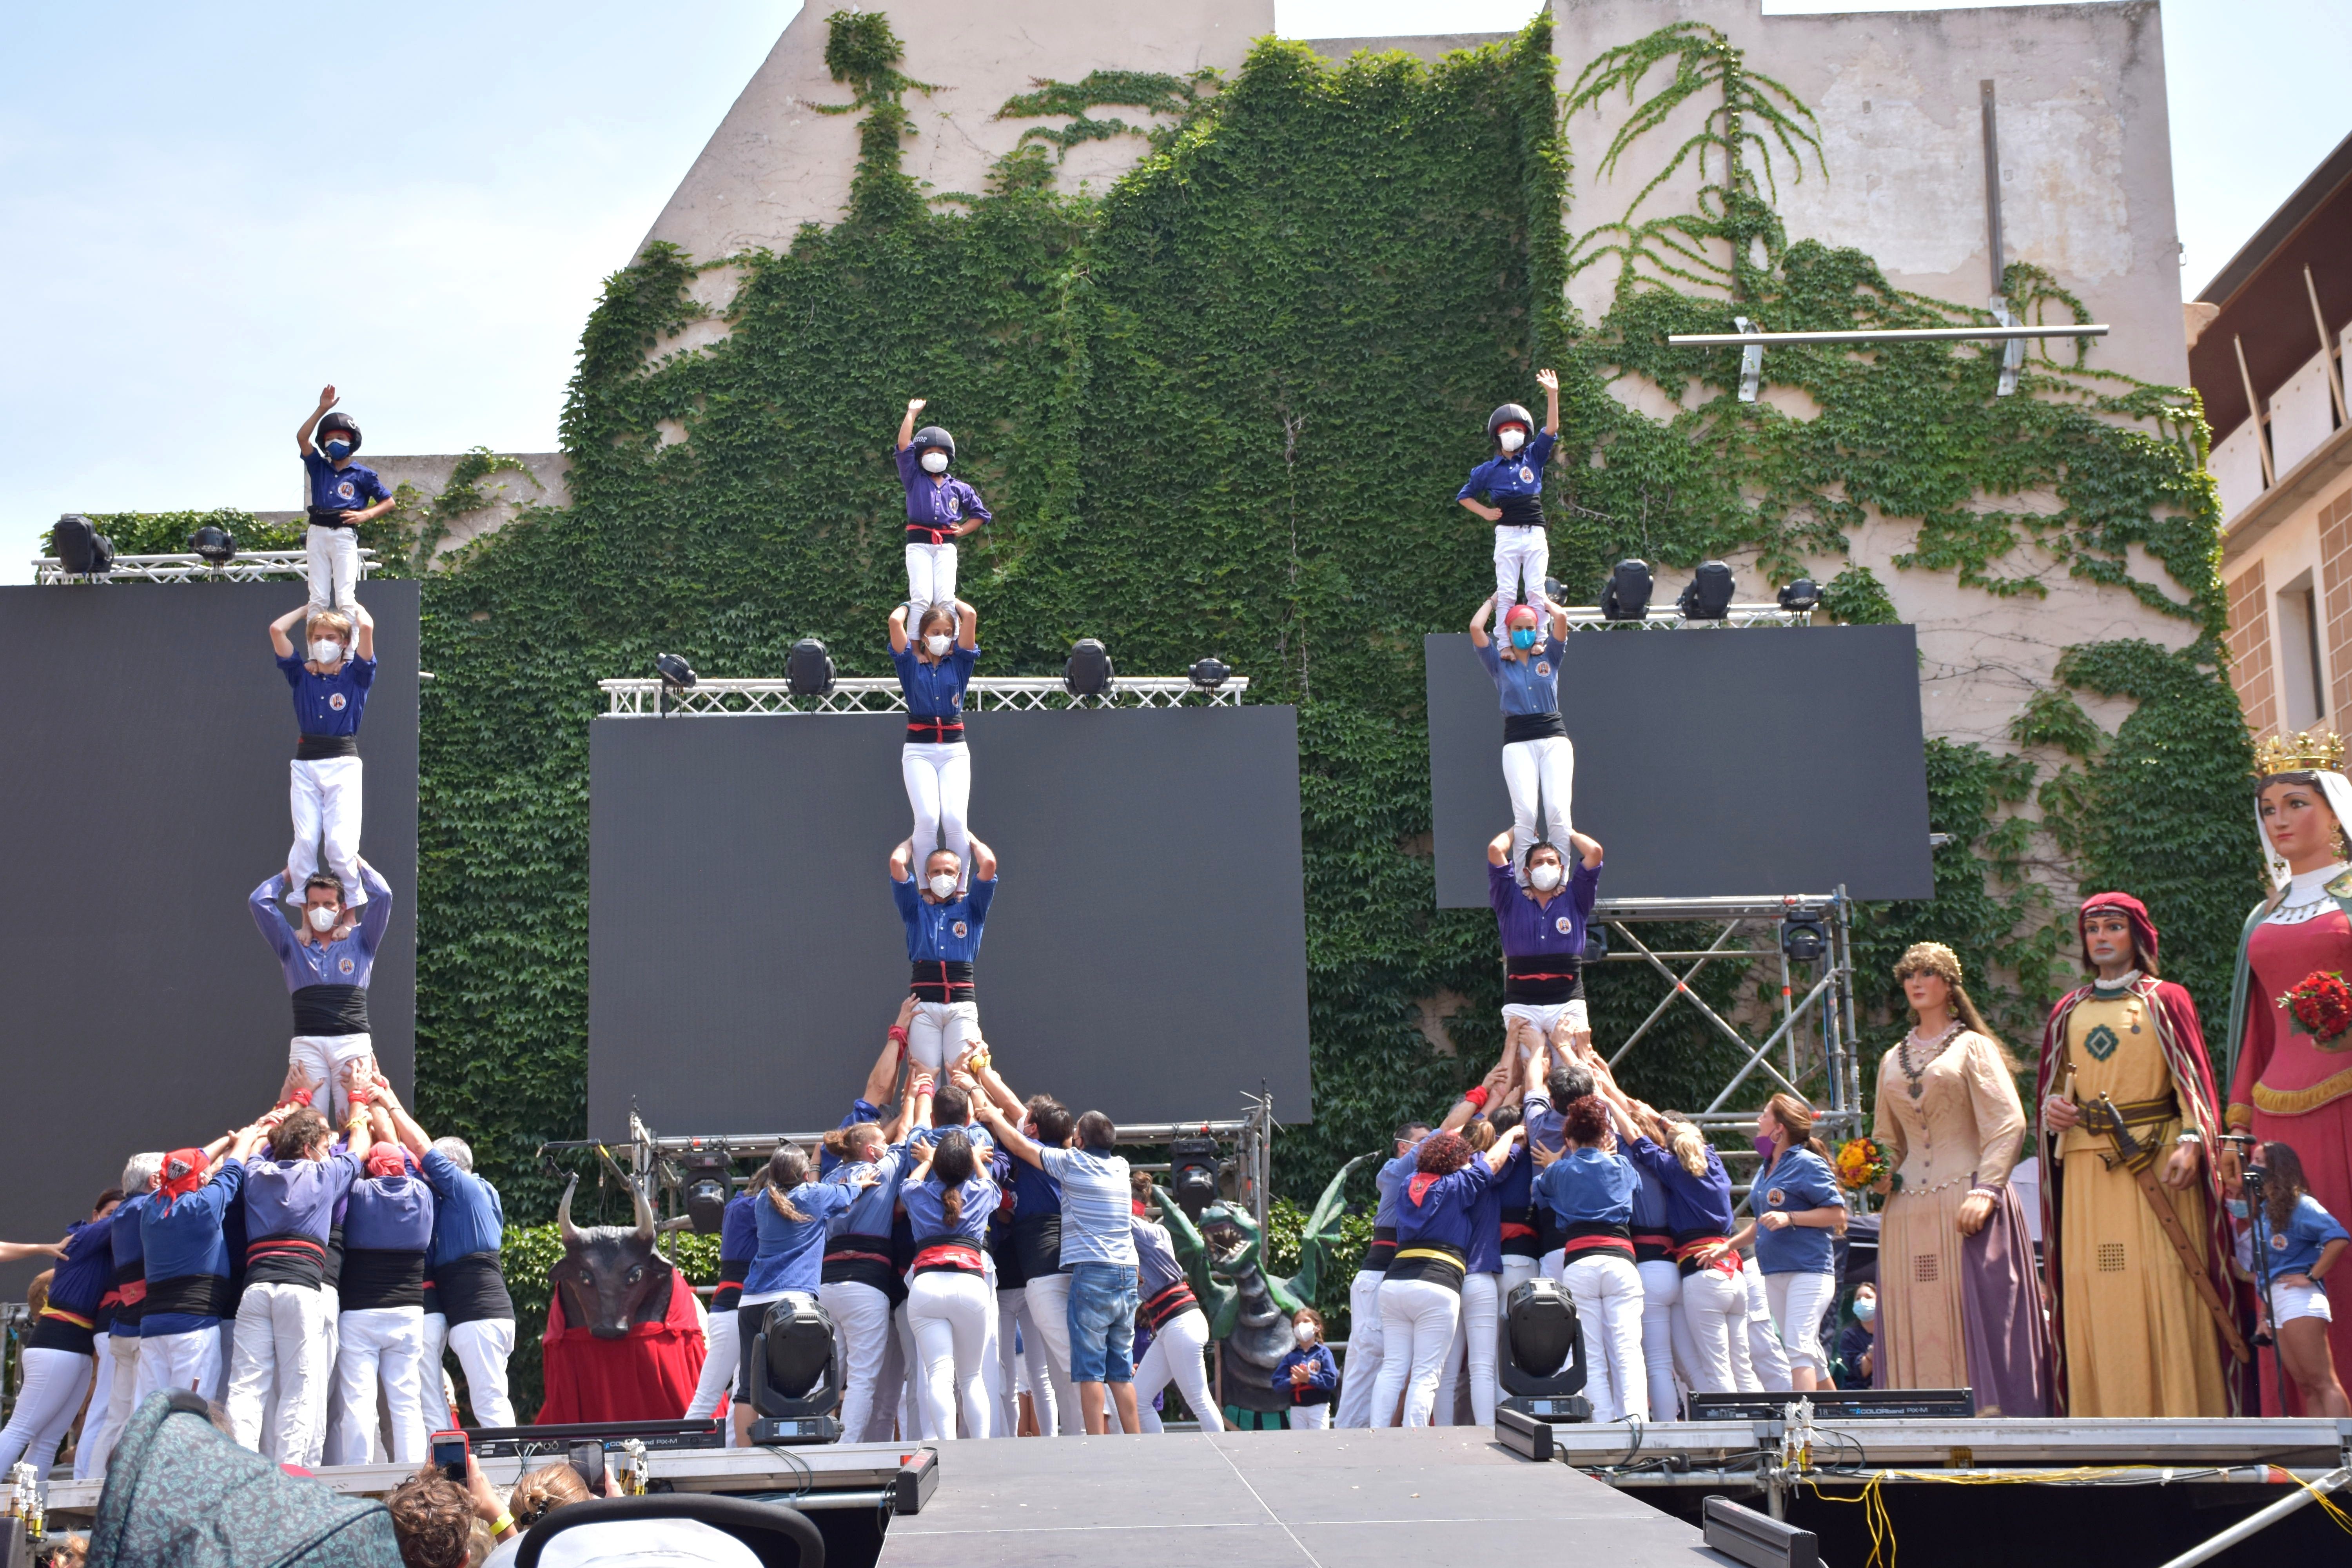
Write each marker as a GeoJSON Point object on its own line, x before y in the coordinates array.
{"type": "Point", "coordinates": [339, 450]}
{"type": "Point", "coordinates": [1523, 638]}
{"type": "Point", "coordinates": [2237, 1207]}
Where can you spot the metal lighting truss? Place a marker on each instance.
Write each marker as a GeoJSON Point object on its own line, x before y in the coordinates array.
{"type": "Point", "coordinates": [1815, 1034]}
{"type": "Point", "coordinates": [1588, 618]}
{"type": "Point", "coordinates": [2009, 333]}
{"type": "Point", "coordinates": [245, 566]}
{"type": "Point", "coordinates": [646, 697]}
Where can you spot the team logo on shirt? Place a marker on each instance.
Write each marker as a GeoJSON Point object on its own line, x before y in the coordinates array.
{"type": "Point", "coordinates": [960, 928]}
{"type": "Point", "coordinates": [1776, 1197]}
{"type": "Point", "coordinates": [335, 701]}
{"type": "Point", "coordinates": [1543, 667]}
{"type": "Point", "coordinates": [1526, 476]}
{"type": "Point", "coordinates": [2278, 1242]}
{"type": "Point", "coordinates": [1561, 925]}
{"type": "Point", "coordinates": [344, 964]}
{"type": "Point", "coordinates": [345, 491]}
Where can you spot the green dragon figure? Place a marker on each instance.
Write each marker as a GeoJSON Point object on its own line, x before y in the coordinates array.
{"type": "Point", "coordinates": [1249, 1314]}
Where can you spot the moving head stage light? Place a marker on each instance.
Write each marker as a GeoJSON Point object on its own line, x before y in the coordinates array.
{"type": "Point", "coordinates": [1541, 1362]}
{"type": "Point", "coordinates": [82, 550]}
{"type": "Point", "coordinates": [1804, 937]}
{"type": "Point", "coordinates": [1210, 673]}
{"type": "Point", "coordinates": [1708, 597]}
{"type": "Point", "coordinates": [809, 671]}
{"type": "Point", "coordinates": [1802, 596]}
{"type": "Point", "coordinates": [795, 1375]}
{"type": "Point", "coordinates": [1627, 595]}
{"type": "Point", "coordinates": [1192, 1172]}
{"type": "Point", "coordinates": [1088, 673]}
{"type": "Point", "coordinates": [214, 544]}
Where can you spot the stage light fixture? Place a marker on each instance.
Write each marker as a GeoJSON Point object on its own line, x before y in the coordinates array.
{"type": "Point", "coordinates": [796, 1374]}
{"type": "Point", "coordinates": [1541, 1358]}
{"type": "Point", "coordinates": [1627, 595]}
{"type": "Point", "coordinates": [1210, 673]}
{"type": "Point", "coordinates": [1800, 595]}
{"type": "Point", "coordinates": [1088, 672]}
{"type": "Point", "coordinates": [1192, 1172]}
{"type": "Point", "coordinates": [1708, 596]}
{"type": "Point", "coordinates": [1804, 938]}
{"type": "Point", "coordinates": [1596, 945]}
{"type": "Point", "coordinates": [214, 544]}
{"type": "Point", "coordinates": [705, 1205]}
{"type": "Point", "coordinates": [809, 671]}
{"type": "Point", "coordinates": [1552, 592]}
{"type": "Point", "coordinates": [677, 675]}
{"type": "Point", "coordinates": [82, 550]}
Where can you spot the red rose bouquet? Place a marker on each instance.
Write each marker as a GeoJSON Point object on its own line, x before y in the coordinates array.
{"type": "Point", "coordinates": [2321, 1004]}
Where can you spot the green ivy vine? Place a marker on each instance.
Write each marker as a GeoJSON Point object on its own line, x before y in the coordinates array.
{"type": "Point", "coordinates": [1154, 92]}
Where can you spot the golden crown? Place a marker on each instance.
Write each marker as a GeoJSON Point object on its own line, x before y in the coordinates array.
{"type": "Point", "coordinates": [2303, 751]}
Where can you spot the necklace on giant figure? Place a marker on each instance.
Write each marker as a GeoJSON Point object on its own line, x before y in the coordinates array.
{"type": "Point", "coordinates": [1903, 1054]}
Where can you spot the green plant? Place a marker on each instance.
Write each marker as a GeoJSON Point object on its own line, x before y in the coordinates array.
{"type": "Point", "coordinates": [1154, 92]}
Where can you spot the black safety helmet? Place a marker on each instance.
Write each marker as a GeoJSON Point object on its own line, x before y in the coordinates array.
{"type": "Point", "coordinates": [931, 435]}
{"type": "Point", "coordinates": [344, 422]}
{"type": "Point", "coordinates": [1509, 414]}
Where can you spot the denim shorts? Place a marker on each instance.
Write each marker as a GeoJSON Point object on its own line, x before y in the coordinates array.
{"type": "Point", "coordinates": [1102, 1322]}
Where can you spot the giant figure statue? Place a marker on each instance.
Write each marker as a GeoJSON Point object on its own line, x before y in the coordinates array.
{"type": "Point", "coordinates": [2135, 1243]}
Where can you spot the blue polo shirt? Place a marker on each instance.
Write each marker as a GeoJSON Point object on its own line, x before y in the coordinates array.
{"type": "Point", "coordinates": [1802, 1180]}
{"type": "Point", "coordinates": [1513, 483]}
{"type": "Point", "coordinates": [933, 506]}
{"type": "Point", "coordinates": [1556, 929]}
{"type": "Point", "coordinates": [792, 1251]}
{"type": "Point", "coordinates": [935, 690]}
{"type": "Point", "coordinates": [1588, 1186]}
{"type": "Point", "coordinates": [1391, 1179]}
{"type": "Point", "coordinates": [129, 1262]}
{"type": "Point", "coordinates": [2293, 1250]}
{"type": "Point", "coordinates": [330, 704]}
{"type": "Point", "coordinates": [1530, 685]}
{"type": "Point", "coordinates": [1693, 1204]}
{"type": "Point", "coordinates": [467, 1217]}
{"type": "Point", "coordinates": [947, 932]}
{"type": "Point", "coordinates": [181, 1237]}
{"type": "Point", "coordinates": [348, 488]}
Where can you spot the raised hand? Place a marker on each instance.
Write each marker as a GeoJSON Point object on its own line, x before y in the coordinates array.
{"type": "Point", "coordinates": [914, 405]}
{"type": "Point", "coordinates": [1548, 380]}
{"type": "Point", "coordinates": [327, 399]}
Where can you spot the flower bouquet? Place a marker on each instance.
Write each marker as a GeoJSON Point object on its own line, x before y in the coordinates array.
{"type": "Point", "coordinates": [2321, 1005]}
{"type": "Point", "coordinates": [1861, 1161]}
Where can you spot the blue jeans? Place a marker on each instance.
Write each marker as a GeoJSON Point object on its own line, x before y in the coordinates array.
{"type": "Point", "coordinates": [1102, 1322]}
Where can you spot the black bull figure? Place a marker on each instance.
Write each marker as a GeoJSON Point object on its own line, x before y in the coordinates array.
{"type": "Point", "coordinates": [610, 1278]}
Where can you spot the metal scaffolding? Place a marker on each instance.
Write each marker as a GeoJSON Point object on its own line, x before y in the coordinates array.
{"type": "Point", "coordinates": [245, 566]}
{"type": "Point", "coordinates": [645, 696]}
{"type": "Point", "coordinates": [1586, 618]}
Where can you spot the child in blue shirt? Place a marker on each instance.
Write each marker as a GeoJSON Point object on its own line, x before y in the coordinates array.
{"type": "Point", "coordinates": [940, 510]}
{"type": "Point", "coordinates": [2299, 1243]}
{"type": "Point", "coordinates": [338, 494]}
{"type": "Point", "coordinates": [1308, 1373]}
{"type": "Point", "coordinates": [1539, 759]}
{"type": "Point", "coordinates": [330, 675]}
{"type": "Point", "coordinates": [1512, 480]}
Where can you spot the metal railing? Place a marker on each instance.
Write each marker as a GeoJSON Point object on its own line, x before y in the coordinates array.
{"type": "Point", "coordinates": [646, 697]}
{"type": "Point", "coordinates": [1589, 619]}
{"type": "Point", "coordinates": [245, 566]}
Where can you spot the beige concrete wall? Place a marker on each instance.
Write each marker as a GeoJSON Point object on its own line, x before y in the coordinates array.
{"type": "Point", "coordinates": [545, 482]}
{"type": "Point", "coordinates": [775, 162]}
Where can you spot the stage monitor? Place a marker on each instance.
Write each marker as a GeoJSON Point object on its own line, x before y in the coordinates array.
{"type": "Point", "coordinates": [1146, 953]}
{"type": "Point", "coordinates": [144, 737]}
{"type": "Point", "coordinates": [1748, 761]}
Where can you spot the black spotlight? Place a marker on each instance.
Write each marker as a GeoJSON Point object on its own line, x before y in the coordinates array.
{"type": "Point", "coordinates": [1803, 936]}
{"type": "Point", "coordinates": [1192, 1171]}
{"type": "Point", "coordinates": [795, 1375]}
{"type": "Point", "coordinates": [1708, 597]}
{"type": "Point", "coordinates": [1540, 1359]}
{"type": "Point", "coordinates": [1088, 673]}
{"type": "Point", "coordinates": [1800, 595]}
{"type": "Point", "coordinates": [214, 544]}
{"type": "Point", "coordinates": [705, 1205]}
{"type": "Point", "coordinates": [1627, 595]}
{"type": "Point", "coordinates": [677, 675]}
{"type": "Point", "coordinates": [1552, 593]}
{"type": "Point", "coordinates": [1210, 673]}
{"type": "Point", "coordinates": [82, 550]}
{"type": "Point", "coordinates": [1596, 945]}
{"type": "Point", "coordinates": [809, 671]}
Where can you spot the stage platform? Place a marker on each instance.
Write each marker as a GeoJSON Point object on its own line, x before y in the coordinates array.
{"type": "Point", "coordinates": [1280, 1499]}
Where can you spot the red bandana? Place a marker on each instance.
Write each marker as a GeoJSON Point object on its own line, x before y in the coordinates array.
{"type": "Point", "coordinates": [184, 1171]}
{"type": "Point", "coordinates": [1420, 1184]}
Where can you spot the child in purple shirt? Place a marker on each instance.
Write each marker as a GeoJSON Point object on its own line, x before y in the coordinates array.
{"type": "Point", "coordinates": [940, 510]}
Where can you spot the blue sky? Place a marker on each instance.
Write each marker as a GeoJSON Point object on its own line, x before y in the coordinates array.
{"type": "Point", "coordinates": [212, 209]}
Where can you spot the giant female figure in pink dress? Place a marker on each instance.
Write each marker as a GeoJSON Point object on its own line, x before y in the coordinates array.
{"type": "Point", "coordinates": [2285, 1083]}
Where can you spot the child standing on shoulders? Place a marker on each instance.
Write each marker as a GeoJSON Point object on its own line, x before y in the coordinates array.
{"type": "Point", "coordinates": [330, 678]}
{"type": "Point", "coordinates": [940, 510]}
{"type": "Point", "coordinates": [339, 496]}
{"type": "Point", "coordinates": [2302, 1242]}
{"type": "Point", "coordinates": [1512, 480]}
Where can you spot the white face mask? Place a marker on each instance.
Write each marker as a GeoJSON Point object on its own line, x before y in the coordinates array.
{"type": "Point", "coordinates": [322, 917]}
{"type": "Point", "coordinates": [1514, 439]}
{"type": "Point", "coordinates": [1304, 1333]}
{"type": "Point", "coordinates": [326, 650]}
{"type": "Point", "coordinates": [942, 884]}
{"type": "Point", "coordinates": [1545, 875]}
{"type": "Point", "coordinates": [938, 643]}
{"type": "Point", "coordinates": [934, 461]}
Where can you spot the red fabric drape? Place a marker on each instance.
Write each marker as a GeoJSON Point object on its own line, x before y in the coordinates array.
{"type": "Point", "coordinates": [649, 1375]}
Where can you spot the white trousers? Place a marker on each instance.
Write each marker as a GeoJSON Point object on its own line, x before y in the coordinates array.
{"type": "Point", "coordinates": [280, 1354]}
{"type": "Point", "coordinates": [97, 1428]}
{"type": "Point", "coordinates": [1711, 1333]}
{"type": "Point", "coordinates": [1049, 1312]}
{"type": "Point", "coordinates": [940, 1034]}
{"type": "Point", "coordinates": [1417, 1322]}
{"type": "Point", "coordinates": [950, 1314]}
{"type": "Point", "coordinates": [930, 580]}
{"type": "Point", "coordinates": [481, 1348]}
{"type": "Point", "coordinates": [1799, 1301]}
{"type": "Point", "coordinates": [326, 799]}
{"type": "Point", "coordinates": [939, 787]}
{"type": "Point", "coordinates": [1473, 1350]}
{"type": "Point", "coordinates": [1364, 1347]}
{"type": "Point", "coordinates": [324, 1060]}
{"type": "Point", "coordinates": [722, 1358]}
{"type": "Point", "coordinates": [869, 1351]}
{"type": "Point", "coordinates": [55, 1382]}
{"type": "Point", "coordinates": [1767, 1356]}
{"type": "Point", "coordinates": [190, 1360]}
{"type": "Point", "coordinates": [1522, 557]}
{"type": "Point", "coordinates": [1310, 1418]}
{"type": "Point", "coordinates": [334, 563]}
{"type": "Point", "coordinates": [1546, 766]}
{"type": "Point", "coordinates": [122, 1398]}
{"type": "Point", "coordinates": [1012, 1312]}
{"type": "Point", "coordinates": [1175, 1356]}
{"type": "Point", "coordinates": [322, 1400]}
{"type": "Point", "coordinates": [1662, 1294]}
{"type": "Point", "coordinates": [380, 1347]}
{"type": "Point", "coordinates": [1607, 1290]}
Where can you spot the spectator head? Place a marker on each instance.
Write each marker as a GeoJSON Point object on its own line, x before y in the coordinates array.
{"type": "Point", "coordinates": [1141, 1195]}
{"type": "Point", "coordinates": [433, 1519]}
{"type": "Point", "coordinates": [1050, 1121]}
{"type": "Point", "coordinates": [106, 1201]}
{"type": "Point", "coordinates": [1097, 1132]}
{"type": "Point", "coordinates": [950, 1107]}
{"type": "Point", "coordinates": [456, 1151]}
{"type": "Point", "coordinates": [1442, 1154]}
{"type": "Point", "coordinates": [138, 1172]}
{"type": "Point", "coordinates": [1584, 1119]}
{"type": "Point", "coordinates": [1307, 1326]}
{"type": "Point", "coordinates": [545, 1489]}
{"type": "Point", "coordinates": [1409, 1134]}
{"type": "Point", "coordinates": [303, 1135]}
{"type": "Point", "coordinates": [1568, 1080]}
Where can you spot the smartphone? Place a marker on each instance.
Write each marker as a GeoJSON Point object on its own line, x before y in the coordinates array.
{"type": "Point", "coordinates": [449, 1450]}
{"type": "Point", "coordinates": [587, 1457]}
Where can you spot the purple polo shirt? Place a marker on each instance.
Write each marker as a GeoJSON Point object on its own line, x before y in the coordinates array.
{"type": "Point", "coordinates": [1529, 929]}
